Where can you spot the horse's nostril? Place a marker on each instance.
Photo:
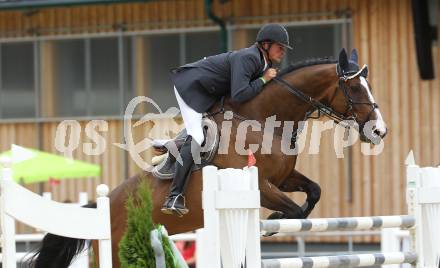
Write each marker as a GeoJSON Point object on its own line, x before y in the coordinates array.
{"type": "Point", "coordinates": [380, 133]}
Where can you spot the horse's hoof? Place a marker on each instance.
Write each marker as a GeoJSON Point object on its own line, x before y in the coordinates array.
{"type": "Point", "coordinates": [268, 234]}
{"type": "Point", "coordinates": [276, 216]}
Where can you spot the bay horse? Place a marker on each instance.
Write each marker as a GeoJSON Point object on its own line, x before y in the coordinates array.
{"type": "Point", "coordinates": [337, 88]}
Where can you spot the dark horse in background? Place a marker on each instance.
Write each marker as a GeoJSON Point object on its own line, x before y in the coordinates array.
{"type": "Point", "coordinates": [337, 88]}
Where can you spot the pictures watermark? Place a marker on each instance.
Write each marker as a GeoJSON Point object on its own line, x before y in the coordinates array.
{"type": "Point", "coordinates": [237, 136]}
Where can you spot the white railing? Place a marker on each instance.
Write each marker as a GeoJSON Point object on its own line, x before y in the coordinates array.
{"type": "Point", "coordinates": [79, 262]}
{"type": "Point", "coordinates": [231, 203]}
{"type": "Point", "coordinates": [18, 203]}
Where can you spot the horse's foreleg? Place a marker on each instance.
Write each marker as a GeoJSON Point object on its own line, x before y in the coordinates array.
{"type": "Point", "coordinates": [297, 182]}
{"type": "Point", "coordinates": [274, 199]}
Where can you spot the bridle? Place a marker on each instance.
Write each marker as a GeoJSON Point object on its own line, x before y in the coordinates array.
{"type": "Point", "coordinates": [351, 103]}
{"type": "Point", "coordinates": [349, 114]}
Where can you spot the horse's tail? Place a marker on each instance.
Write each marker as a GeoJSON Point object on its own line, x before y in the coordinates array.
{"type": "Point", "coordinates": [58, 251]}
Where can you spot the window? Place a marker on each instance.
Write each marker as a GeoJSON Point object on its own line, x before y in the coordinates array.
{"type": "Point", "coordinates": [128, 70]}
{"type": "Point", "coordinates": [313, 42]}
{"type": "Point", "coordinates": [95, 76]}
{"type": "Point", "coordinates": [163, 55]}
{"type": "Point", "coordinates": [71, 78]}
{"type": "Point", "coordinates": [90, 76]}
{"type": "Point", "coordinates": [433, 12]}
{"type": "Point", "coordinates": [200, 45]}
{"type": "Point", "coordinates": [171, 51]}
{"type": "Point", "coordinates": [310, 42]}
{"type": "Point", "coordinates": [104, 84]}
{"type": "Point", "coordinates": [17, 89]}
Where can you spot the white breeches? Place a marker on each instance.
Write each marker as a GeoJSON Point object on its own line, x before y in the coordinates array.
{"type": "Point", "coordinates": [191, 119]}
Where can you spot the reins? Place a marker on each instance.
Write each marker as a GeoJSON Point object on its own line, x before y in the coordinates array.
{"type": "Point", "coordinates": [321, 108]}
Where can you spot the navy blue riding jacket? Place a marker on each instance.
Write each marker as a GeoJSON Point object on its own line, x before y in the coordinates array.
{"type": "Point", "coordinates": [235, 74]}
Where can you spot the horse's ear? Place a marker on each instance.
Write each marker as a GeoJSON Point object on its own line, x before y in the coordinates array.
{"type": "Point", "coordinates": [354, 55]}
{"type": "Point", "coordinates": [343, 59]}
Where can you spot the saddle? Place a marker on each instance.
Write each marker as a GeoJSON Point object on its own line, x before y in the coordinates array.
{"type": "Point", "coordinates": [167, 150]}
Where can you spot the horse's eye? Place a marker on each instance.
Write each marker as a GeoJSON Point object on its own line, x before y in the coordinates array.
{"type": "Point", "coordinates": [364, 72]}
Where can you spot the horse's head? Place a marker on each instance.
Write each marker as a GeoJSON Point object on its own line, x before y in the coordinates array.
{"type": "Point", "coordinates": [356, 100]}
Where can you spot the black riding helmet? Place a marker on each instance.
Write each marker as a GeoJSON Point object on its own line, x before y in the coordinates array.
{"type": "Point", "coordinates": [274, 32]}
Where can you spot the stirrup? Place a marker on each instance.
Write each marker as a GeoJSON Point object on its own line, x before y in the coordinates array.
{"type": "Point", "coordinates": [172, 209]}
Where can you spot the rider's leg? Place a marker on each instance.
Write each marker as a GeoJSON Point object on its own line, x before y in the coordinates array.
{"type": "Point", "coordinates": [191, 119]}
{"type": "Point", "coordinates": [175, 203]}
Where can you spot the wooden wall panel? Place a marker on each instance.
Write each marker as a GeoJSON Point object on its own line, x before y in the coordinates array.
{"type": "Point", "coordinates": [159, 129]}
{"type": "Point", "coordinates": [18, 133]}
{"type": "Point", "coordinates": [111, 161]}
{"type": "Point", "coordinates": [156, 15]}
{"type": "Point", "coordinates": [23, 134]}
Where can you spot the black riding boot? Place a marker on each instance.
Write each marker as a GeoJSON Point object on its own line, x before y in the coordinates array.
{"type": "Point", "coordinates": [175, 203]}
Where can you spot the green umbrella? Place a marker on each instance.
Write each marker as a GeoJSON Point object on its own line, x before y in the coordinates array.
{"type": "Point", "coordinates": [30, 165]}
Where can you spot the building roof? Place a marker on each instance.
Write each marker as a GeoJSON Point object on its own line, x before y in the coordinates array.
{"type": "Point", "coordinates": [25, 4]}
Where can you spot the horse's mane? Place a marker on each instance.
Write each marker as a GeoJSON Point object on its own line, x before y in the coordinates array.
{"type": "Point", "coordinates": [308, 62]}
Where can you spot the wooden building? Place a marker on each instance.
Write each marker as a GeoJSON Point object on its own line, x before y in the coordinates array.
{"type": "Point", "coordinates": [87, 62]}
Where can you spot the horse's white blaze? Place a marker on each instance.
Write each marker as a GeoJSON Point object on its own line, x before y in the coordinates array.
{"type": "Point", "coordinates": [380, 123]}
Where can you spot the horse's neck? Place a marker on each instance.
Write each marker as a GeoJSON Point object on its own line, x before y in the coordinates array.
{"type": "Point", "coordinates": [315, 81]}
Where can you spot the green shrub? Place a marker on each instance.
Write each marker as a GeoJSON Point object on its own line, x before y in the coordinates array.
{"type": "Point", "coordinates": [135, 249]}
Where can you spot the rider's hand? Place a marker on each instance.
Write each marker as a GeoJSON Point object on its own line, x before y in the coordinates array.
{"type": "Point", "coordinates": [269, 74]}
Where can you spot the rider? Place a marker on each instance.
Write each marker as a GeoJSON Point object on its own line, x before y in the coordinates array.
{"type": "Point", "coordinates": [240, 74]}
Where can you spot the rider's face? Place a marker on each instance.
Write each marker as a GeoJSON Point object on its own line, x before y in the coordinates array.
{"type": "Point", "coordinates": [277, 52]}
